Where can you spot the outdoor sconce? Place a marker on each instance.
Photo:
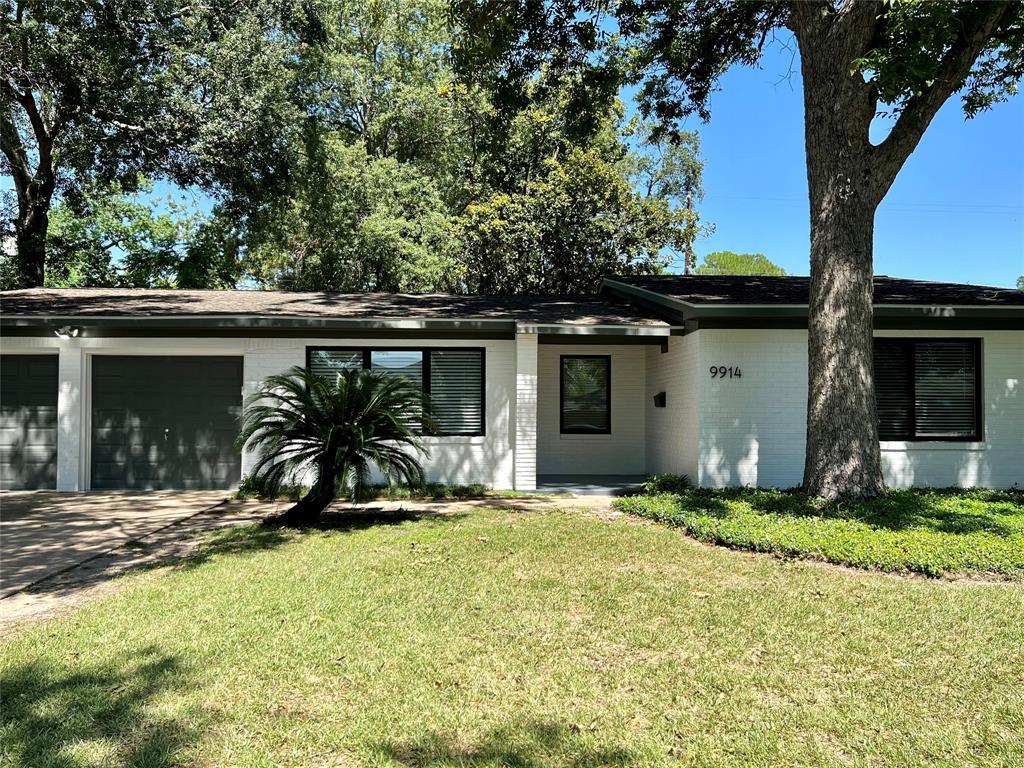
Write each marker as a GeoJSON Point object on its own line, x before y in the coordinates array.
{"type": "Point", "coordinates": [66, 332]}
{"type": "Point", "coordinates": [660, 400]}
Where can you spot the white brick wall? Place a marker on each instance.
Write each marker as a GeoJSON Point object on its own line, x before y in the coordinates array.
{"type": "Point", "coordinates": [71, 393]}
{"type": "Point", "coordinates": [745, 431]}
{"type": "Point", "coordinates": [671, 432]}
{"type": "Point", "coordinates": [620, 453]}
{"type": "Point", "coordinates": [525, 412]}
{"type": "Point", "coordinates": [486, 459]}
{"type": "Point", "coordinates": [752, 430]}
{"type": "Point", "coordinates": [998, 460]}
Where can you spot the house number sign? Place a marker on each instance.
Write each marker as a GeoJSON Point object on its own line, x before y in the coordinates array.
{"type": "Point", "coordinates": [723, 372]}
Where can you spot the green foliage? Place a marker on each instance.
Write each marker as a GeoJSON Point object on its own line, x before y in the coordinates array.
{"type": "Point", "coordinates": [404, 179]}
{"type": "Point", "coordinates": [916, 39]}
{"type": "Point", "coordinates": [1020, 283]}
{"type": "Point", "coordinates": [333, 432]}
{"type": "Point", "coordinates": [667, 484]}
{"type": "Point", "coordinates": [677, 52]}
{"type": "Point", "coordinates": [200, 94]}
{"type": "Point", "coordinates": [110, 238]}
{"type": "Point", "coordinates": [729, 263]}
{"type": "Point", "coordinates": [934, 532]}
{"type": "Point", "coordinates": [579, 221]}
{"type": "Point", "coordinates": [353, 222]}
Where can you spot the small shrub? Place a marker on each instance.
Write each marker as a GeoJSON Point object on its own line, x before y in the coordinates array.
{"type": "Point", "coordinates": [667, 484]}
{"type": "Point", "coordinates": [254, 487]}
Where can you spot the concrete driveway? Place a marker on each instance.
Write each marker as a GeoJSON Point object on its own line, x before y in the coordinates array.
{"type": "Point", "coordinates": [45, 533]}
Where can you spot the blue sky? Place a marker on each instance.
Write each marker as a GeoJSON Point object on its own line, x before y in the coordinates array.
{"type": "Point", "coordinates": [956, 211]}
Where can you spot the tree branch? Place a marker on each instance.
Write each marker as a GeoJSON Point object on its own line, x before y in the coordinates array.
{"type": "Point", "coordinates": [918, 112]}
{"type": "Point", "coordinates": [14, 151]}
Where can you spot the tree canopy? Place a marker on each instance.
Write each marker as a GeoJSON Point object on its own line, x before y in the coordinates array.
{"type": "Point", "coordinates": [98, 94]}
{"type": "Point", "coordinates": [729, 263]}
{"type": "Point", "coordinates": [341, 148]}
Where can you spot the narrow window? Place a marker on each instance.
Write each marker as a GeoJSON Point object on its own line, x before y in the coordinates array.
{"type": "Point", "coordinates": [456, 391]}
{"type": "Point", "coordinates": [928, 389]}
{"type": "Point", "coordinates": [586, 383]}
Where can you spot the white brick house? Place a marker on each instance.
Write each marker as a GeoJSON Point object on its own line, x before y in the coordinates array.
{"type": "Point", "coordinates": [694, 375]}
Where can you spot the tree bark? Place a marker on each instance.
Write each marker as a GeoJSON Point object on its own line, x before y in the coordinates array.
{"type": "Point", "coordinates": [842, 451]}
{"type": "Point", "coordinates": [31, 228]}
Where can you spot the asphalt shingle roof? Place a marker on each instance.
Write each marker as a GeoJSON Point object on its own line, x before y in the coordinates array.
{"type": "Point", "coordinates": [711, 290]}
{"type": "Point", "coordinates": [129, 303]}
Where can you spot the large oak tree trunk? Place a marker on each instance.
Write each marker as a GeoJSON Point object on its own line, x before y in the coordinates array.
{"type": "Point", "coordinates": [842, 451]}
{"type": "Point", "coordinates": [31, 227]}
{"type": "Point", "coordinates": [843, 457]}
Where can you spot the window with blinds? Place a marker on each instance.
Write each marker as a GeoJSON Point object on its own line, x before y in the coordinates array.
{"type": "Point", "coordinates": [928, 389]}
{"type": "Point", "coordinates": [586, 383]}
{"type": "Point", "coordinates": [452, 378]}
{"type": "Point", "coordinates": [457, 390]}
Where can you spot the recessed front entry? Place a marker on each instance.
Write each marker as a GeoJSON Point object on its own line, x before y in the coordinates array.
{"type": "Point", "coordinates": [165, 422]}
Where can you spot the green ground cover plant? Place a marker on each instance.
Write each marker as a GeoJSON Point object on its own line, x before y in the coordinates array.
{"type": "Point", "coordinates": [929, 531]}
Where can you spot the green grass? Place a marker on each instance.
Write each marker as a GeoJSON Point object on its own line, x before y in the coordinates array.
{"type": "Point", "coordinates": [935, 532]}
{"type": "Point", "coordinates": [496, 638]}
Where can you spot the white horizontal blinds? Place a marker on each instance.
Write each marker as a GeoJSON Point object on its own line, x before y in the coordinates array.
{"type": "Point", "coordinates": [585, 384]}
{"type": "Point", "coordinates": [329, 362]}
{"type": "Point", "coordinates": [893, 390]}
{"type": "Point", "coordinates": [456, 390]}
{"type": "Point", "coordinates": [944, 389]}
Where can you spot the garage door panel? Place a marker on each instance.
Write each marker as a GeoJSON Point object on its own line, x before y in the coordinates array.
{"type": "Point", "coordinates": [28, 422]}
{"type": "Point", "coordinates": [166, 422]}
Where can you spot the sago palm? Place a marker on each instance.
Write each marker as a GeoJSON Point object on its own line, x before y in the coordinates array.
{"type": "Point", "coordinates": [333, 431]}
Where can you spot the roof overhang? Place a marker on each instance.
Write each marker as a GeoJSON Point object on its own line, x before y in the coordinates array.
{"type": "Point", "coordinates": [257, 325]}
{"type": "Point", "coordinates": [692, 315]}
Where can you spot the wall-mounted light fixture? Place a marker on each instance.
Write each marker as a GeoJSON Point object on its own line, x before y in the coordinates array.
{"type": "Point", "coordinates": [660, 400]}
{"type": "Point", "coordinates": [66, 332]}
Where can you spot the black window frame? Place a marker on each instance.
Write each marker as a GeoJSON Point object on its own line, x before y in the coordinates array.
{"type": "Point", "coordinates": [367, 353]}
{"type": "Point", "coordinates": [909, 344]}
{"type": "Point", "coordinates": [561, 395]}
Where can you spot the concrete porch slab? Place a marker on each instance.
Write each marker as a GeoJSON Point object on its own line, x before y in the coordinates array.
{"type": "Point", "coordinates": [590, 485]}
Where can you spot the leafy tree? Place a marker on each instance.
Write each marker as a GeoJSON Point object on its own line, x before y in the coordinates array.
{"type": "Point", "coordinates": [729, 263]}
{"type": "Point", "coordinates": [338, 429]}
{"type": "Point", "coordinates": [579, 221]}
{"type": "Point", "coordinates": [1020, 283]}
{"type": "Point", "coordinates": [403, 179]}
{"type": "Point", "coordinates": [97, 93]}
{"type": "Point", "coordinates": [857, 59]}
{"type": "Point", "coordinates": [352, 222]}
{"type": "Point", "coordinates": [109, 238]}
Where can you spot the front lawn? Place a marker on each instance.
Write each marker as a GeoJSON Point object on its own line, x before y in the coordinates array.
{"type": "Point", "coordinates": [530, 639]}
{"type": "Point", "coordinates": [934, 532]}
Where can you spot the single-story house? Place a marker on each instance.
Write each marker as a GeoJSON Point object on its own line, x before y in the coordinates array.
{"type": "Point", "coordinates": [704, 376]}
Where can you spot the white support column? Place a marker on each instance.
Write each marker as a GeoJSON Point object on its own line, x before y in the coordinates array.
{"type": "Point", "coordinates": [71, 421]}
{"type": "Point", "coordinates": [526, 412]}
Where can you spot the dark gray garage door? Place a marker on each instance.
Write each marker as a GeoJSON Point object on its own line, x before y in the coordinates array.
{"type": "Point", "coordinates": [165, 422]}
{"type": "Point", "coordinates": [28, 421]}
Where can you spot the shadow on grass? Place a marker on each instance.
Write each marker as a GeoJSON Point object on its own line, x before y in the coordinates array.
{"type": "Point", "coordinates": [533, 744]}
{"type": "Point", "coordinates": [93, 714]}
{"type": "Point", "coordinates": [951, 510]}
